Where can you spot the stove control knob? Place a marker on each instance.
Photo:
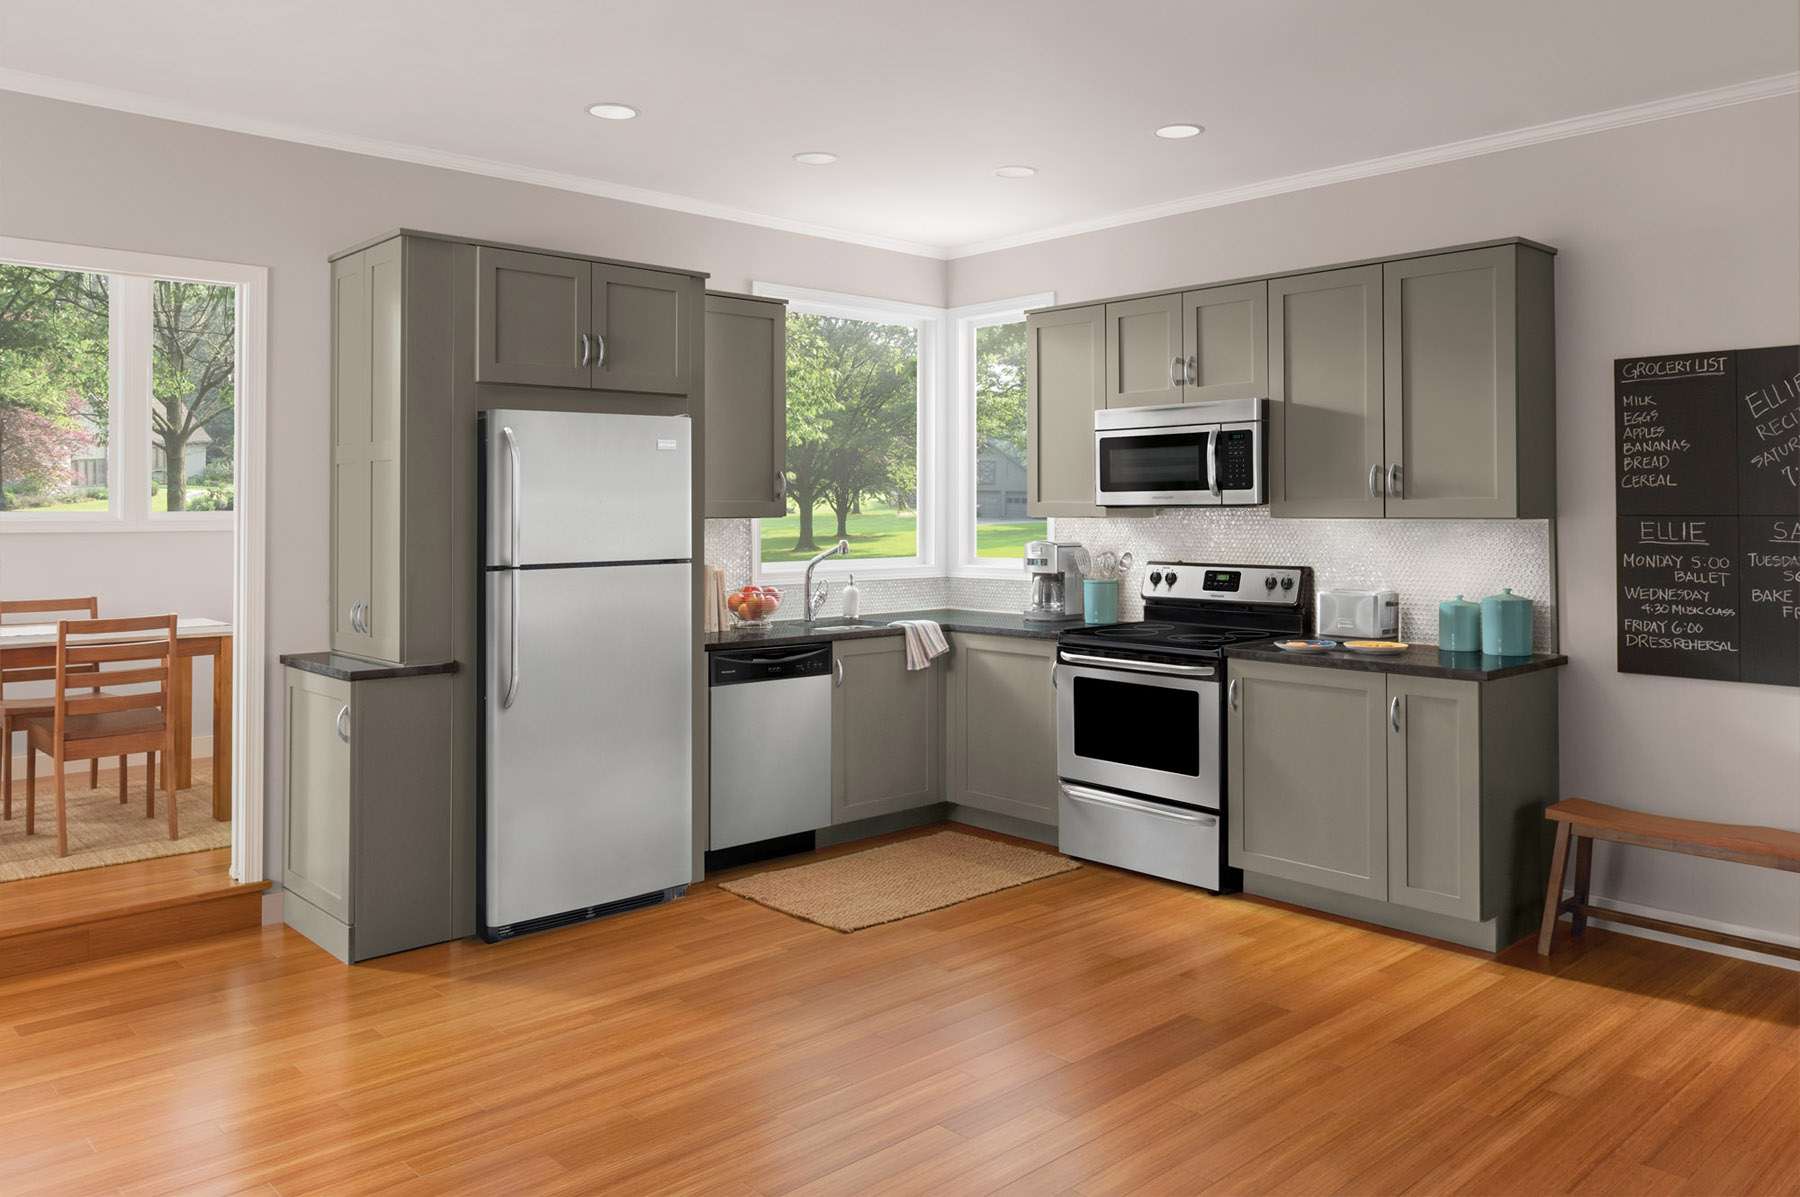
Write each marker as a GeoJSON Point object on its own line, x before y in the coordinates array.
{"type": "Point", "coordinates": [1287, 583]}
{"type": "Point", "coordinates": [1155, 578]}
{"type": "Point", "coordinates": [1171, 577]}
{"type": "Point", "coordinates": [1268, 581]}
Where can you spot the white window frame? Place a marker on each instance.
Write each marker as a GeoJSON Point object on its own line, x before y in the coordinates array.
{"type": "Point", "coordinates": [246, 519]}
{"type": "Point", "coordinates": [959, 502]}
{"type": "Point", "coordinates": [930, 324]}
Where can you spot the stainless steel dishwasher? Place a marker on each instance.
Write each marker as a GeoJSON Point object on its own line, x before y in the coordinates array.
{"type": "Point", "coordinates": [771, 742]}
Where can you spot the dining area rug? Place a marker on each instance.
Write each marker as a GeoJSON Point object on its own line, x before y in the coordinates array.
{"type": "Point", "coordinates": [101, 830]}
{"type": "Point", "coordinates": [898, 880]}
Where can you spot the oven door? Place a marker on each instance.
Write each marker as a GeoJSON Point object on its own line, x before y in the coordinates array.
{"type": "Point", "coordinates": [1154, 467]}
{"type": "Point", "coordinates": [1143, 727]}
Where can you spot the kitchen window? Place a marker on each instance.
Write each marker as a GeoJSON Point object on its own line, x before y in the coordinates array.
{"type": "Point", "coordinates": [990, 526]}
{"type": "Point", "coordinates": [117, 399]}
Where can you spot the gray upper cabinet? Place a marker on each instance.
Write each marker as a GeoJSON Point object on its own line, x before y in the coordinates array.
{"type": "Point", "coordinates": [543, 320]}
{"type": "Point", "coordinates": [1000, 711]}
{"type": "Point", "coordinates": [534, 318]}
{"type": "Point", "coordinates": [1065, 379]}
{"type": "Point", "coordinates": [1470, 388]}
{"type": "Point", "coordinates": [1225, 337]}
{"type": "Point", "coordinates": [1145, 358]}
{"type": "Point", "coordinates": [1434, 795]}
{"type": "Point", "coordinates": [1325, 371]}
{"type": "Point", "coordinates": [1307, 786]}
{"type": "Point", "coordinates": [886, 720]}
{"type": "Point", "coordinates": [746, 407]}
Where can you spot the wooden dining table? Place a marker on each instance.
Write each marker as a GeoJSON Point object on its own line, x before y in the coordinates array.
{"type": "Point", "coordinates": [25, 645]}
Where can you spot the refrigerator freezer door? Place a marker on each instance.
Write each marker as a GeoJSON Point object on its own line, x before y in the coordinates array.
{"type": "Point", "coordinates": [587, 795]}
{"type": "Point", "coordinates": [586, 486]}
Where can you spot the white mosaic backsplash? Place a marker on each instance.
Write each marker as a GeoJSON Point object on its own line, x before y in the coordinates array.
{"type": "Point", "coordinates": [1427, 561]}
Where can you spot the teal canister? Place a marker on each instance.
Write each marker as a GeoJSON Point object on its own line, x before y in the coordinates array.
{"type": "Point", "coordinates": [1100, 600]}
{"type": "Point", "coordinates": [1459, 625]}
{"type": "Point", "coordinates": [1506, 625]}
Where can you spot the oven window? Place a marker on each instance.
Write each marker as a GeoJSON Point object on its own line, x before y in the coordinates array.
{"type": "Point", "coordinates": [1150, 727]}
{"type": "Point", "coordinates": [1164, 462]}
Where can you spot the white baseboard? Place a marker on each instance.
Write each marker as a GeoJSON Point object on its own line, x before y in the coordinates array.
{"type": "Point", "coordinates": [1675, 916]}
{"type": "Point", "coordinates": [202, 750]}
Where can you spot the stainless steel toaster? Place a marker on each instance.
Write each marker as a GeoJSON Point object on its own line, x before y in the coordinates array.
{"type": "Point", "coordinates": [1359, 614]}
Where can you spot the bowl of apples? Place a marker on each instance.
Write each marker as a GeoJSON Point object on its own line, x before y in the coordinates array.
{"type": "Point", "coordinates": [753, 606]}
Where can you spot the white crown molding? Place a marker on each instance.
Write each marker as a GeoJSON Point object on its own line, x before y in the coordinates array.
{"type": "Point", "coordinates": [171, 110]}
{"type": "Point", "coordinates": [1492, 143]}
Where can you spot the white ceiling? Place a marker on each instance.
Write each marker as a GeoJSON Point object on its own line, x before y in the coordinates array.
{"type": "Point", "coordinates": [920, 100]}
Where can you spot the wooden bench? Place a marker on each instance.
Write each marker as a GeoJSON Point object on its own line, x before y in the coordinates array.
{"type": "Point", "coordinates": [1583, 822]}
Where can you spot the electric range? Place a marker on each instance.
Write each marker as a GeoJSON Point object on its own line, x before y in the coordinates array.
{"type": "Point", "coordinates": [1141, 715]}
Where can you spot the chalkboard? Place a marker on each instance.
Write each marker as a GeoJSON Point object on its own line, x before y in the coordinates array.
{"type": "Point", "coordinates": [1708, 503]}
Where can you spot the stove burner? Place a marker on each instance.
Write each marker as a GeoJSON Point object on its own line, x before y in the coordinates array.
{"type": "Point", "coordinates": [1202, 639]}
{"type": "Point", "coordinates": [1134, 631]}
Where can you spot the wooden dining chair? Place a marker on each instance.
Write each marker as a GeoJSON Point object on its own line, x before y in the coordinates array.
{"type": "Point", "coordinates": [97, 722]}
{"type": "Point", "coordinates": [13, 709]}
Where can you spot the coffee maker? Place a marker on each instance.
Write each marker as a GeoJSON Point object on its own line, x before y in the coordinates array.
{"type": "Point", "coordinates": [1056, 571]}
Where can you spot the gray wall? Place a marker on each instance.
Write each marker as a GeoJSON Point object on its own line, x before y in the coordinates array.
{"type": "Point", "coordinates": [1680, 234]}
{"type": "Point", "coordinates": [94, 177]}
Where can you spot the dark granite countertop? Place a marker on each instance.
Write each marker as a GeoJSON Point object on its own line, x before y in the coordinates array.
{"type": "Point", "coordinates": [794, 631]}
{"type": "Point", "coordinates": [1421, 660]}
{"type": "Point", "coordinates": [354, 669]}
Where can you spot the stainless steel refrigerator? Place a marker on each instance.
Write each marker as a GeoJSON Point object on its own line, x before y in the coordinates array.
{"type": "Point", "coordinates": [587, 666]}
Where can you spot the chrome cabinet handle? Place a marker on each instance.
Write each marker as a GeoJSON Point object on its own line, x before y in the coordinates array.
{"type": "Point", "coordinates": [1375, 481]}
{"type": "Point", "coordinates": [1395, 481]}
{"type": "Point", "coordinates": [355, 625]}
{"type": "Point", "coordinates": [587, 348]}
{"type": "Point", "coordinates": [1176, 375]}
{"type": "Point", "coordinates": [1233, 691]}
{"type": "Point", "coordinates": [512, 643]}
{"type": "Point", "coordinates": [343, 723]}
{"type": "Point", "coordinates": [1212, 462]}
{"type": "Point", "coordinates": [599, 351]}
{"type": "Point", "coordinates": [512, 497]}
{"type": "Point", "coordinates": [837, 670]}
{"type": "Point", "coordinates": [1125, 666]}
{"type": "Point", "coordinates": [1053, 682]}
{"type": "Point", "coordinates": [1394, 712]}
{"type": "Point", "coordinates": [1193, 371]}
{"type": "Point", "coordinates": [362, 617]}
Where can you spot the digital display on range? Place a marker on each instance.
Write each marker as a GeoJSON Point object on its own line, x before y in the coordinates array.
{"type": "Point", "coordinates": [1222, 580]}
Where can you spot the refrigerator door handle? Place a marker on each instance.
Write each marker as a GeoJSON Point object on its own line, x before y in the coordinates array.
{"type": "Point", "coordinates": [512, 498]}
{"type": "Point", "coordinates": [512, 643]}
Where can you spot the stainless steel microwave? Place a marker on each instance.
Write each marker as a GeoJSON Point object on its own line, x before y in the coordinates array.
{"type": "Point", "coordinates": [1186, 454]}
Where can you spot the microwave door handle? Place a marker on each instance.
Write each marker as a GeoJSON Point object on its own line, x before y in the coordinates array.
{"type": "Point", "coordinates": [1212, 462]}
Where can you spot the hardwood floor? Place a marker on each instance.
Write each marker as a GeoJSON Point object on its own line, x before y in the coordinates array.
{"type": "Point", "coordinates": [1096, 1032]}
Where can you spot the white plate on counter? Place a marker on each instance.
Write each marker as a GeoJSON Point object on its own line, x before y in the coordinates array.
{"type": "Point", "coordinates": [1376, 648]}
{"type": "Point", "coordinates": [1302, 647]}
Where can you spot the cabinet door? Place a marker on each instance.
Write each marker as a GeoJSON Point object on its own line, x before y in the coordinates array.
{"type": "Point", "coordinates": [383, 601]}
{"type": "Point", "coordinates": [319, 727]}
{"type": "Point", "coordinates": [1065, 383]}
{"type": "Point", "coordinates": [532, 313]}
{"type": "Point", "coordinates": [351, 420]}
{"type": "Point", "coordinates": [1307, 775]}
{"type": "Point", "coordinates": [1326, 446]}
{"type": "Point", "coordinates": [1434, 795]}
{"type": "Point", "coordinates": [1452, 384]}
{"type": "Point", "coordinates": [641, 327]}
{"type": "Point", "coordinates": [1225, 334]}
{"type": "Point", "coordinates": [746, 408]}
{"type": "Point", "coordinates": [885, 724]}
{"type": "Point", "coordinates": [1001, 715]}
{"type": "Point", "coordinates": [1144, 354]}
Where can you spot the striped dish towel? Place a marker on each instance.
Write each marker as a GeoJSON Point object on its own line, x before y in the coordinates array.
{"type": "Point", "coordinates": [924, 641]}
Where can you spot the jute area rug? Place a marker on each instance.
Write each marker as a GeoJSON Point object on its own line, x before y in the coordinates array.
{"type": "Point", "coordinates": [899, 880]}
{"type": "Point", "coordinates": [101, 831]}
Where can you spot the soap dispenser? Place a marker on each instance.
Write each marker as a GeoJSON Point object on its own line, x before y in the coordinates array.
{"type": "Point", "coordinates": [852, 598]}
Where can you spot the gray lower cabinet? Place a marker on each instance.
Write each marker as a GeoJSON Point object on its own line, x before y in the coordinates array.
{"type": "Point", "coordinates": [1434, 795]}
{"type": "Point", "coordinates": [886, 728]}
{"type": "Point", "coordinates": [367, 865]}
{"type": "Point", "coordinates": [1000, 726]}
{"type": "Point", "coordinates": [1307, 780]}
{"type": "Point", "coordinates": [746, 407]}
{"type": "Point", "coordinates": [1225, 334]}
{"type": "Point", "coordinates": [1145, 361]}
{"type": "Point", "coordinates": [1065, 381]}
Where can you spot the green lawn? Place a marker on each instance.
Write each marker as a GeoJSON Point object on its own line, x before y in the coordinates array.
{"type": "Point", "coordinates": [881, 531]}
{"type": "Point", "coordinates": [159, 501]}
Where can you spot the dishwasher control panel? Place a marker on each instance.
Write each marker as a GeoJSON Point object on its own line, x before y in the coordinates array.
{"type": "Point", "coordinates": [734, 666]}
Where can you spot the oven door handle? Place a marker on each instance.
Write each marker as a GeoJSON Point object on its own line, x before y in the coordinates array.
{"type": "Point", "coordinates": [1102, 798]}
{"type": "Point", "coordinates": [1202, 671]}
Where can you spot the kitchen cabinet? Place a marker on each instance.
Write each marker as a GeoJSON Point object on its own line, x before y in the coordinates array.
{"type": "Point", "coordinates": [1000, 726]}
{"type": "Point", "coordinates": [1225, 336]}
{"type": "Point", "coordinates": [1307, 783]}
{"type": "Point", "coordinates": [391, 453]}
{"type": "Point", "coordinates": [1469, 383]}
{"type": "Point", "coordinates": [1325, 377]}
{"type": "Point", "coordinates": [1145, 360]}
{"type": "Point", "coordinates": [1420, 795]}
{"type": "Point", "coordinates": [886, 728]}
{"type": "Point", "coordinates": [545, 320]}
{"type": "Point", "coordinates": [1065, 380]}
{"type": "Point", "coordinates": [746, 407]}
{"type": "Point", "coordinates": [367, 858]}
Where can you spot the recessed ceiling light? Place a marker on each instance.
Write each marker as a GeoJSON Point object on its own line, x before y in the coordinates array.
{"type": "Point", "coordinates": [1177, 132]}
{"type": "Point", "coordinates": [815, 158]}
{"type": "Point", "coordinates": [612, 112]}
{"type": "Point", "coordinates": [1015, 172]}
